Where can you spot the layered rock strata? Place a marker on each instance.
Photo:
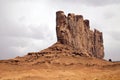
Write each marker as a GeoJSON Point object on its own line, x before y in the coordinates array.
{"type": "Point", "coordinates": [74, 31]}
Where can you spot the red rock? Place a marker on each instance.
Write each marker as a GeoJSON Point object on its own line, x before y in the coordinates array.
{"type": "Point", "coordinates": [74, 38]}
{"type": "Point", "coordinates": [74, 31]}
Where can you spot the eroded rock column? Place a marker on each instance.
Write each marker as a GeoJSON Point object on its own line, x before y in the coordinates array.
{"type": "Point", "coordinates": [74, 31]}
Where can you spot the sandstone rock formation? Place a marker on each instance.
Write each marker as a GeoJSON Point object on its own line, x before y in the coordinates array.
{"type": "Point", "coordinates": [78, 52]}
{"type": "Point", "coordinates": [74, 40]}
{"type": "Point", "coordinates": [74, 31]}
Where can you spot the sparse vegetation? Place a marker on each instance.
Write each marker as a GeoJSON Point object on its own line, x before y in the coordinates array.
{"type": "Point", "coordinates": [110, 60]}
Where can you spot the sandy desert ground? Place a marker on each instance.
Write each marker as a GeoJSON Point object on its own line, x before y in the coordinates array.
{"type": "Point", "coordinates": [60, 71]}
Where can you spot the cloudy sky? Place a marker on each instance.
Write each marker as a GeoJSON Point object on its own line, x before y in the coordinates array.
{"type": "Point", "coordinates": [29, 25]}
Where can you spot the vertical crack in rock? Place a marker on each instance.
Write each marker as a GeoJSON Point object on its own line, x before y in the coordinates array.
{"type": "Point", "coordinates": [74, 31]}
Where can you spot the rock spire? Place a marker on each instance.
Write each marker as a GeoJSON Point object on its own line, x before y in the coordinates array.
{"type": "Point", "coordinates": [74, 31]}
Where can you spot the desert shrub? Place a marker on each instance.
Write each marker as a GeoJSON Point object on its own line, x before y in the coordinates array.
{"type": "Point", "coordinates": [110, 60]}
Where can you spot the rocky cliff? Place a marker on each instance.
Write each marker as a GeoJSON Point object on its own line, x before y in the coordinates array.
{"type": "Point", "coordinates": [75, 40]}
{"type": "Point", "coordinates": [76, 44]}
{"type": "Point", "coordinates": [77, 53]}
{"type": "Point", "coordinates": [74, 31]}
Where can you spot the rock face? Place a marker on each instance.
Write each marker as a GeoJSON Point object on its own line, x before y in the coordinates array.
{"type": "Point", "coordinates": [74, 31]}
{"type": "Point", "coordinates": [74, 40]}
{"type": "Point", "coordinates": [76, 44]}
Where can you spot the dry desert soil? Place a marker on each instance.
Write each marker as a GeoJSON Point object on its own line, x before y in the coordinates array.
{"type": "Point", "coordinates": [65, 68]}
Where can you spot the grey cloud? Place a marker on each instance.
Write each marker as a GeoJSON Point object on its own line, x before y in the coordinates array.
{"type": "Point", "coordinates": [112, 50]}
{"type": "Point", "coordinates": [18, 46]}
{"type": "Point", "coordinates": [112, 53]}
{"type": "Point", "coordinates": [111, 45]}
{"type": "Point", "coordinates": [115, 35]}
{"type": "Point", "coordinates": [9, 45]}
{"type": "Point", "coordinates": [8, 52]}
{"type": "Point", "coordinates": [90, 2]}
{"type": "Point", "coordinates": [41, 32]}
{"type": "Point", "coordinates": [18, 40]}
{"type": "Point", "coordinates": [109, 15]}
{"type": "Point", "coordinates": [17, 37]}
{"type": "Point", "coordinates": [101, 3]}
{"type": "Point", "coordinates": [10, 29]}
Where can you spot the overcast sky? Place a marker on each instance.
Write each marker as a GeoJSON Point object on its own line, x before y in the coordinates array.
{"type": "Point", "coordinates": [29, 25]}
